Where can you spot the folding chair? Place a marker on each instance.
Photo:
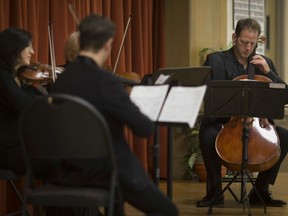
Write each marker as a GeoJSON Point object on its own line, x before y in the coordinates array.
{"type": "Point", "coordinates": [10, 177]}
{"type": "Point", "coordinates": [63, 128]}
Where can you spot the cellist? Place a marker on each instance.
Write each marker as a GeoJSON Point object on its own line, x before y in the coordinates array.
{"type": "Point", "coordinates": [226, 65]}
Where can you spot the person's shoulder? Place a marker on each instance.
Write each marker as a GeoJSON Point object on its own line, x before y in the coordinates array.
{"type": "Point", "coordinates": [107, 76]}
{"type": "Point", "coordinates": [218, 54]}
{"type": "Point", "coordinates": [85, 68]}
{"type": "Point", "coordinates": [266, 58]}
{"type": "Point", "coordinates": [4, 70]}
{"type": "Point", "coordinates": [5, 73]}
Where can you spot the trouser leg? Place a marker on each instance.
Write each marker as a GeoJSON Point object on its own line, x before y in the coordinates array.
{"type": "Point", "coordinates": [150, 201]}
{"type": "Point", "coordinates": [269, 176]}
{"type": "Point", "coordinates": [211, 159]}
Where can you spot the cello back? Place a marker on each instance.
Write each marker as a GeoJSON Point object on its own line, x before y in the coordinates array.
{"type": "Point", "coordinates": [263, 146]}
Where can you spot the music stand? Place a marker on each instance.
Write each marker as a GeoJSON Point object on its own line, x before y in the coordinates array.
{"type": "Point", "coordinates": [186, 76]}
{"type": "Point", "coordinates": [244, 99]}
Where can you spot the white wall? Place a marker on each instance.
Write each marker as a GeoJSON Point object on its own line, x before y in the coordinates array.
{"type": "Point", "coordinates": [230, 29]}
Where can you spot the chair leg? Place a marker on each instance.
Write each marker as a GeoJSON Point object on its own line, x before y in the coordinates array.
{"type": "Point", "coordinates": [16, 190]}
{"type": "Point", "coordinates": [19, 197]}
{"type": "Point", "coordinates": [14, 213]}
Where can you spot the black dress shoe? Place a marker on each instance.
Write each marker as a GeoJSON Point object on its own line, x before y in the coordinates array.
{"type": "Point", "coordinates": [267, 198]}
{"type": "Point", "coordinates": [207, 200]}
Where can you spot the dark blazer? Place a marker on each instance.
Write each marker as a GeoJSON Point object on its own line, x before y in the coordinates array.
{"type": "Point", "coordinates": [85, 79]}
{"type": "Point", "coordinates": [223, 67]}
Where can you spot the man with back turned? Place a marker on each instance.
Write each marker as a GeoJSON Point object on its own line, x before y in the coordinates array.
{"type": "Point", "coordinates": [86, 79]}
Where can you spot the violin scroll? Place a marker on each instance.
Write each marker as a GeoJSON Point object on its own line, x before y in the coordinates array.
{"type": "Point", "coordinates": [262, 39]}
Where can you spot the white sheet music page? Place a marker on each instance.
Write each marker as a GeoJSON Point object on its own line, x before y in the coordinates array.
{"type": "Point", "coordinates": [161, 79]}
{"type": "Point", "coordinates": [149, 99]}
{"type": "Point", "coordinates": [182, 105]}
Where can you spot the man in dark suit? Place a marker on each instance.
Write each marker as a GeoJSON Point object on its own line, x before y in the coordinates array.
{"type": "Point", "coordinates": [226, 65]}
{"type": "Point", "coordinates": [85, 78]}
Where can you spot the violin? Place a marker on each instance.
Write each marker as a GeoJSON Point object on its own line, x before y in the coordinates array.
{"type": "Point", "coordinates": [37, 74]}
{"type": "Point", "coordinates": [129, 78]}
{"type": "Point", "coordinates": [263, 144]}
{"type": "Point", "coordinates": [33, 74]}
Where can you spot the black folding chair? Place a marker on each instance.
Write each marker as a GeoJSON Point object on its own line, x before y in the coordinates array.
{"type": "Point", "coordinates": [10, 177]}
{"type": "Point", "coordinates": [63, 128]}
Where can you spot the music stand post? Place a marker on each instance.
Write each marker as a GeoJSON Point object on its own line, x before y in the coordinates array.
{"type": "Point", "coordinates": [244, 99]}
{"type": "Point", "coordinates": [169, 125]}
{"type": "Point", "coordinates": [155, 153]}
{"type": "Point", "coordinates": [194, 76]}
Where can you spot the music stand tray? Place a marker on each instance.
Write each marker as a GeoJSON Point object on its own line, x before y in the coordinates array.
{"type": "Point", "coordinates": [184, 76]}
{"type": "Point", "coordinates": [244, 99]}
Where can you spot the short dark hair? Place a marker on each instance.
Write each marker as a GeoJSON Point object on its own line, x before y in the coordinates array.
{"type": "Point", "coordinates": [95, 31]}
{"type": "Point", "coordinates": [247, 23]}
{"type": "Point", "coordinates": [12, 41]}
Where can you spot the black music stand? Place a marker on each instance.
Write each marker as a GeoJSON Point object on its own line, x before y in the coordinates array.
{"type": "Point", "coordinates": [244, 99]}
{"type": "Point", "coordinates": [186, 76]}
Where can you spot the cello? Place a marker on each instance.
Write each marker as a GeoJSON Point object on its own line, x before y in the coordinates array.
{"type": "Point", "coordinates": [263, 148]}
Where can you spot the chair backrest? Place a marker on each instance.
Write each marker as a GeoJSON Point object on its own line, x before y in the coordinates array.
{"type": "Point", "coordinates": [65, 127]}
{"type": "Point", "coordinates": [8, 174]}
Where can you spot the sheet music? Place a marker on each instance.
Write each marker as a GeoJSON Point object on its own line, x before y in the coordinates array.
{"type": "Point", "coordinates": [149, 99]}
{"type": "Point", "coordinates": [161, 79]}
{"type": "Point", "coordinates": [182, 105]}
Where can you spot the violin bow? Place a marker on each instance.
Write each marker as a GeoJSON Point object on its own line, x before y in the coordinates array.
{"type": "Point", "coordinates": [72, 11]}
{"type": "Point", "coordinates": [52, 51]}
{"type": "Point", "coordinates": [122, 43]}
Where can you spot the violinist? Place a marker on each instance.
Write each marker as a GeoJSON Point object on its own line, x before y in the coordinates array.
{"type": "Point", "coordinates": [71, 48]}
{"type": "Point", "coordinates": [16, 51]}
{"type": "Point", "coordinates": [226, 65]}
{"type": "Point", "coordinates": [85, 78]}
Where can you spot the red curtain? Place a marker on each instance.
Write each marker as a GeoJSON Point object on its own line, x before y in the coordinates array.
{"type": "Point", "coordinates": [143, 51]}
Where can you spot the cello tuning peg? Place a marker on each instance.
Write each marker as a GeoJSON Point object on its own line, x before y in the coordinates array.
{"type": "Point", "coordinates": [262, 39]}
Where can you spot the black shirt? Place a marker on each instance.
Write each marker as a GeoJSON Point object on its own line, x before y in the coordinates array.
{"type": "Point", "coordinates": [240, 68]}
{"type": "Point", "coordinates": [83, 78]}
{"type": "Point", "coordinates": [13, 99]}
{"type": "Point", "coordinates": [225, 66]}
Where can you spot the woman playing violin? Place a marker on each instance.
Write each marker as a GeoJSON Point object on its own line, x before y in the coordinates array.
{"type": "Point", "coordinates": [16, 51]}
{"type": "Point", "coordinates": [71, 49]}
